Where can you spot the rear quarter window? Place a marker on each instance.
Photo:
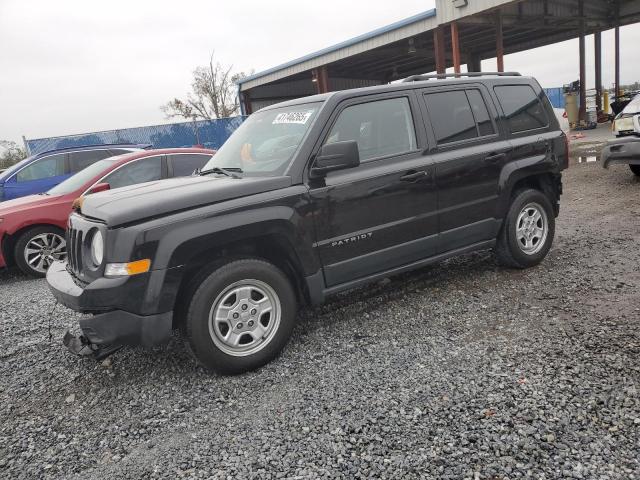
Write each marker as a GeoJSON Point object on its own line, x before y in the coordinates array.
{"type": "Point", "coordinates": [522, 107]}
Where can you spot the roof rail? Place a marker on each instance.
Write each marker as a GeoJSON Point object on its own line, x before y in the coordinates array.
{"type": "Point", "coordinates": [419, 78]}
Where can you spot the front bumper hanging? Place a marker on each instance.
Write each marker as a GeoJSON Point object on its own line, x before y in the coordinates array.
{"type": "Point", "coordinates": [108, 324]}
{"type": "Point", "coordinates": [621, 150]}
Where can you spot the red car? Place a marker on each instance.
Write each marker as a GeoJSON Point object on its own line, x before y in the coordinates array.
{"type": "Point", "coordinates": [32, 228]}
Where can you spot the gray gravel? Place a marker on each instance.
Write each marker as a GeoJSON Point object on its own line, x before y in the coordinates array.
{"type": "Point", "coordinates": [462, 370]}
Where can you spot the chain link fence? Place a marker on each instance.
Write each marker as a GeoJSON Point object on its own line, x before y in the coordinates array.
{"type": "Point", "coordinates": [208, 133]}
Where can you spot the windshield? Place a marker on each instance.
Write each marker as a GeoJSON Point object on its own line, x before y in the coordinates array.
{"type": "Point", "coordinates": [72, 184]}
{"type": "Point", "coordinates": [265, 143]}
{"type": "Point", "coordinates": [633, 106]}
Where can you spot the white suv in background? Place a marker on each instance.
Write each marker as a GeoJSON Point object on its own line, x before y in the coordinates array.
{"type": "Point", "coordinates": [627, 122]}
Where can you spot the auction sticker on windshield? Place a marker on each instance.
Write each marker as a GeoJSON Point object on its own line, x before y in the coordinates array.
{"type": "Point", "coordinates": [293, 117]}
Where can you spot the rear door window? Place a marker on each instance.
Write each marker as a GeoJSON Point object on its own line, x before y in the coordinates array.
{"type": "Point", "coordinates": [451, 116]}
{"type": "Point", "coordinates": [138, 171]}
{"type": "Point", "coordinates": [81, 160]}
{"type": "Point", "coordinates": [458, 115]}
{"type": "Point", "coordinates": [480, 112]}
{"type": "Point", "coordinates": [184, 164]}
{"type": "Point", "coordinates": [522, 107]}
{"type": "Point", "coordinates": [47, 167]}
{"type": "Point", "coordinates": [382, 128]}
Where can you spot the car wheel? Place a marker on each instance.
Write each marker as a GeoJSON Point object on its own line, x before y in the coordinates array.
{"type": "Point", "coordinates": [527, 232]}
{"type": "Point", "coordinates": [241, 316]}
{"type": "Point", "coordinates": [635, 169]}
{"type": "Point", "coordinates": [37, 248]}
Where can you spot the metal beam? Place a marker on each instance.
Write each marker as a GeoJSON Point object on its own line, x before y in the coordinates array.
{"type": "Point", "coordinates": [617, 50]}
{"type": "Point", "coordinates": [597, 43]}
{"type": "Point", "coordinates": [321, 79]}
{"type": "Point", "coordinates": [583, 72]}
{"type": "Point", "coordinates": [438, 46]}
{"type": "Point", "coordinates": [474, 62]}
{"type": "Point", "coordinates": [455, 47]}
{"type": "Point", "coordinates": [499, 44]}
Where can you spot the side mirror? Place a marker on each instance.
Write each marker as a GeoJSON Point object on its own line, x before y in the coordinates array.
{"type": "Point", "coordinates": [99, 187]}
{"type": "Point", "coordinates": [336, 156]}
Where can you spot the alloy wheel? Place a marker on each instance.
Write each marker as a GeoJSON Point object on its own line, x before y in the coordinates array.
{"type": "Point", "coordinates": [43, 249]}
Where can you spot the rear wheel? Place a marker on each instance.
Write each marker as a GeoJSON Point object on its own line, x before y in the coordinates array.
{"type": "Point", "coordinates": [635, 169]}
{"type": "Point", "coordinates": [240, 316]}
{"type": "Point", "coordinates": [37, 248]}
{"type": "Point", "coordinates": [528, 230]}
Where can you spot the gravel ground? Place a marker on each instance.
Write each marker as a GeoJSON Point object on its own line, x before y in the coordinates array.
{"type": "Point", "coordinates": [462, 370]}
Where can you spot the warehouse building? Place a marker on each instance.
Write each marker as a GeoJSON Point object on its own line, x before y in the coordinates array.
{"type": "Point", "coordinates": [455, 32]}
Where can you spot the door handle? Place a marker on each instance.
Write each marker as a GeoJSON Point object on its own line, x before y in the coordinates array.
{"type": "Point", "coordinates": [494, 157]}
{"type": "Point", "coordinates": [413, 176]}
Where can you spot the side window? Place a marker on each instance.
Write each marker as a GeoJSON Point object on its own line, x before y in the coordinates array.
{"type": "Point", "coordinates": [480, 112]}
{"type": "Point", "coordinates": [44, 168]}
{"type": "Point", "coordinates": [521, 107]}
{"type": "Point", "coordinates": [381, 128]}
{"type": "Point", "coordinates": [81, 160]}
{"type": "Point", "coordinates": [185, 164]}
{"type": "Point", "coordinates": [138, 171]}
{"type": "Point", "coordinates": [451, 116]}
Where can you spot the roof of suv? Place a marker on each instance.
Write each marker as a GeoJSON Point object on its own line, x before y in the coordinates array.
{"type": "Point", "coordinates": [412, 82]}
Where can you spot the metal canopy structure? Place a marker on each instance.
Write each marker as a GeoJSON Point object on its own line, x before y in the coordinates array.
{"type": "Point", "coordinates": [457, 31]}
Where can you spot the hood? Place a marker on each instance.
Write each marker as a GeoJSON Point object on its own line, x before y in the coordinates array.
{"type": "Point", "coordinates": [22, 204]}
{"type": "Point", "coordinates": [147, 200]}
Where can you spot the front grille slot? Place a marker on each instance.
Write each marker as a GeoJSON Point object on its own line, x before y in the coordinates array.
{"type": "Point", "coordinates": [78, 252]}
{"type": "Point", "coordinates": [74, 250]}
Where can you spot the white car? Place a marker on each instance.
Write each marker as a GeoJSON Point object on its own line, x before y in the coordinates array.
{"type": "Point", "coordinates": [627, 122]}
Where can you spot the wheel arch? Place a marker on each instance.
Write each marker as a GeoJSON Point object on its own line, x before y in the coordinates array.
{"type": "Point", "coordinates": [10, 239]}
{"type": "Point", "coordinates": [547, 182]}
{"type": "Point", "coordinates": [274, 247]}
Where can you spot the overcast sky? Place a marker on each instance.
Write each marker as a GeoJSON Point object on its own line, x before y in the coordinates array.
{"type": "Point", "coordinates": [79, 66]}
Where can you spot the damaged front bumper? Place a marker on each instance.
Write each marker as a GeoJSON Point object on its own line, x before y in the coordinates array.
{"type": "Point", "coordinates": [621, 151]}
{"type": "Point", "coordinates": [105, 327]}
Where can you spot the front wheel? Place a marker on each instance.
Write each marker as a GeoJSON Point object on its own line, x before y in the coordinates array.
{"type": "Point", "coordinates": [37, 248]}
{"type": "Point", "coordinates": [527, 232]}
{"type": "Point", "coordinates": [635, 169]}
{"type": "Point", "coordinates": [241, 316]}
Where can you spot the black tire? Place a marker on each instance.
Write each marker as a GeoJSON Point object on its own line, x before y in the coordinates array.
{"type": "Point", "coordinates": [197, 322]}
{"type": "Point", "coordinates": [635, 169]}
{"type": "Point", "coordinates": [21, 244]}
{"type": "Point", "coordinates": [507, 250]}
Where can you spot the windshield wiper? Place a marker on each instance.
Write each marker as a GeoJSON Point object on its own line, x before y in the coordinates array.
{"type": "Point", "coordinates": [229, 172]}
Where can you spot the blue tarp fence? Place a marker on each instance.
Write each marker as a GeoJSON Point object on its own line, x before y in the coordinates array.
{"type": "Point", "coordinates": [556, 96]}
{"type": "Point", "coordinates": [210, 133]}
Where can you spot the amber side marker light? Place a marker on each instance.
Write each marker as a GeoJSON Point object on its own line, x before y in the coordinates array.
{"type": "Point", "coordinates": [127, 269]}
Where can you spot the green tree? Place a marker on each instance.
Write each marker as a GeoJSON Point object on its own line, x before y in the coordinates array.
{"type": "Point", "coordinates": [10, 153]}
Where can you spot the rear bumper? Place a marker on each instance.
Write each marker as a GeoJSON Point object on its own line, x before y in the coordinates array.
{"type": "Point", "coordinates": [621, 151]}
{"type": "Point", "coordinates": [109, 325]}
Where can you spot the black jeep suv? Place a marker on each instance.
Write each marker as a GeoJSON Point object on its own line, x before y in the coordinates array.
{"type": "Point", "coordinates": [311, 197]}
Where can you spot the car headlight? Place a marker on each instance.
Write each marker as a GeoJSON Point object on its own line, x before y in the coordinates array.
{"type": "Point", "coordinates": [97, 248]}
{"type": "Point", "coordinates": [623, 124]}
